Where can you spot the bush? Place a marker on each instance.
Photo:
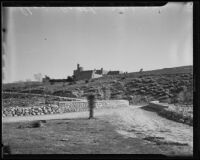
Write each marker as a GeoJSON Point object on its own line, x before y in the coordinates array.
{"type": "Point", "coordinates": [185, 96]}
{"type": "Point", "coordinates": [138, 99]}
{"type": "Point", "coordinates": [72, 83]}
{"type": "Point", "coordinates": [106, 93]}
{"type": "Point", "coordinates": [179, 114]}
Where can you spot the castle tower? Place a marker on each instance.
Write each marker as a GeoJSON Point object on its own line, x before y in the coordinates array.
{"type": "Point", "coordinates": [78, 66]}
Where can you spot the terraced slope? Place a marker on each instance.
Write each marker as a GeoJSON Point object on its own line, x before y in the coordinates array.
{"type": "Point", "coordinates": [169, 84]}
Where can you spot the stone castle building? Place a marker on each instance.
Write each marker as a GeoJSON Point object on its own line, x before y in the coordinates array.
{"type": "Point", "coordinates": [80, 74]}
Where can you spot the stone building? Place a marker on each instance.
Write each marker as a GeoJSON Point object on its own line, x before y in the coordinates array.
{"type": "Point", "coordinates": [47, 79]}
{"type": "Point", "coordinates": [114, 72]}
{"type": "Point", "coordinates": [80, 74]}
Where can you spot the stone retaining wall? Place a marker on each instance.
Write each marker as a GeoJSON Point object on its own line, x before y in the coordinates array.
{"type": "Point", "coordinates": [167, 111]}
{"type": "Point", "coordinates": [61, 107]}
{"type": "Point", "coordinates": [157, 105]}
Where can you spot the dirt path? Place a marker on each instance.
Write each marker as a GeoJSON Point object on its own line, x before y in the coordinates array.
{"type": "Point", "coordinates": [133, 122]}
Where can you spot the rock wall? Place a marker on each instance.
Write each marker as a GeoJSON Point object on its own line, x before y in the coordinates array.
{"type": "Point", "coordinates": [61, 107]}
{"type": "Point", "coordinates": [156, 105]}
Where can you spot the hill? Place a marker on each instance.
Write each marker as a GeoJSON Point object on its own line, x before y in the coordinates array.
{"type": "Point", "coordinates": [167, 84]}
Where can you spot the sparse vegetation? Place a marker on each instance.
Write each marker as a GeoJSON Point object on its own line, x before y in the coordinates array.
{"type": "Point", "coordinates": [173, 86]}
{"type": "Point", "coordinates": [78, 136]}
{"type": "Point", "coordinates": [179, 113]}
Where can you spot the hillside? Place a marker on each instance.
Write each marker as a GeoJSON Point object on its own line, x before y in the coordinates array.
{"type": "Point", "coordinates": [168, 84]}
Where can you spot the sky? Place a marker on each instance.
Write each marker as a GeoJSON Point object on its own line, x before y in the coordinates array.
{"type": "Point", "coordinates": [52, 40]}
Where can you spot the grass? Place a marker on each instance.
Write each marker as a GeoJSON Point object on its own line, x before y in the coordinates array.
{"type": "Point", "coordinates": [69, 137]}
{"type": "Point", "coordinates": [79, 136]}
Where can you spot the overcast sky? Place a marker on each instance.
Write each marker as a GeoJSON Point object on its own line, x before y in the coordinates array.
{"type": "Point", "coordinates": [52, 40]}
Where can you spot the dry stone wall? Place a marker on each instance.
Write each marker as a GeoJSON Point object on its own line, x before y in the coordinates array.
{"type": "Point", "coordinates": [61, 107]}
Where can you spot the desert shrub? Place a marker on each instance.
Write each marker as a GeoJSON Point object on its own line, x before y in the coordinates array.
{"type": "Point", "coordinates": [174, 99]}
{"type": "Point", "coordinates": [138, 99]}
{"type": "Point", "coordinates": [72, 83]}
{"type": "Point", "coordinates": [117, 96]}
{"type": "Point", "coordinates": [178, 113]}
{"type": "Point", "coordinates": [185, 96]}
{"type": "Point", "coordinates": [46, 101]}
{"type": "Point", "coordinates": [106, 92]}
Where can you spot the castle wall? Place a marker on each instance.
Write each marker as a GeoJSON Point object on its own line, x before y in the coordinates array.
{"type": "Point", "coordinates": [101, 72]}
{"type": "Point", "coordinates": [80, 74]}
{"type": "Point", "coordinates": [114, 72]}
{"type": "Point", "coordinates": [84, 75]}
{"type": "Point", "coordinates": [96, 75]}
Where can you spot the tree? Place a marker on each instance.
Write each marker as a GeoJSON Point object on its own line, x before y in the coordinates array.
{"type": "Point", "coordinates": [38, 77]}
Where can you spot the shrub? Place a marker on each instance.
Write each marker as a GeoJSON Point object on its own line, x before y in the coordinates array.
{"type": "Point", "coordinates": [185, 96]}
{"type": "Point", "coordinates": [106, 92]}
{"type": "Point", "coordinates": [71, 83]}
{"type": "Point", "coordinates": [138, 99]}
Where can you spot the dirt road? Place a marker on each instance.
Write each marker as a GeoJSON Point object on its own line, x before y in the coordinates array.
{"type": "Point", "coordinates": [136, 122]}
{"type": "Point", "coordinates": [133, 122]}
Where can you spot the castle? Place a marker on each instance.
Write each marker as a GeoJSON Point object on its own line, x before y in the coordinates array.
{"type": "Point", "coordinates": [80, 74]}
